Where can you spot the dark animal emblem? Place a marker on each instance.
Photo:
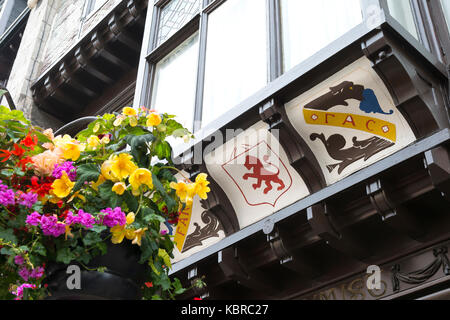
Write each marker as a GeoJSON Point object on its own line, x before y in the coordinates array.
{"type": "Point", "coordinates": [363, 149]}
{"type": "Point", "coordinates": [210, 230]}
{"type": "Point", "coordinates": [261, 174]}
{"type": "Point", "coordinates": [347, 90]}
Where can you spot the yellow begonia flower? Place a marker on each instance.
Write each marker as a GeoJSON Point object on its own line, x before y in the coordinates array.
{"type": "Point", "coordinates": [141, 177]}
{"type": "Point", "coordinates": [93, 142]}
{"type": "Point", "coordinates": [119, 188]}
{"type": "Point", "coordinates": [133, 121]}
{"type": "Point", "coordinates": [101, 179]}
{"type": "Point", "coordinates": [128, 111]}
{"type": "Point", "coordinates": [77, 195]}
{"type": "Point", "coordinates": [106, 171]}
{"type": "Point", "coordinates": [96, 127]}
{"type": "Point", "coordinates": [153, 119]}
{"type": "Point", "coordinates": [138, 236]}
{"type": "Point", "coordinates": [201, 186]}
{"type": "Point", "coordinates": [70, 148]}
{"type": "Point", "coordinates": [119, 232]}
{"type": "Point", "coordinates": [118, 121]}
{"type": "Point", "coordinates": [105, 140]}
{"type": "Point", "coordinates": [68, 232]}
{"type": "Point", "coordinates": [63, 186]}
{"type": "Point", "coordinates": [122, 166]}
{"type": "Point", "coordinates": [185, 192]}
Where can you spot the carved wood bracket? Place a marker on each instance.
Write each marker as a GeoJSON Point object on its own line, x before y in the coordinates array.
{"type": "Point", "coordinates": [300, 156]}
{"type": "Point", "coordinates": [416, 90]}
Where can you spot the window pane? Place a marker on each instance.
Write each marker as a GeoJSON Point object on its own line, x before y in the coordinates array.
{"type": "Point", "coordinates": [174, 16]}
{"type": "Point", "coordinates": [402, 11]}
{"type": "Point", "coordinates": [309, 26]}
{"type": "Point", "coordinates": [446, 8]}
{"type": "Point", "coordinates": [236, 55]}
{"type": "Point", "coordinates": [175, 82]}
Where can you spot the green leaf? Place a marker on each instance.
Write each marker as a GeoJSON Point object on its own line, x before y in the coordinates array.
{"type": "Point", "coordinates": [86, 172]}
{"type": "Point", "coordinates": [64, 255]}
{"type": "Point", "coordinates": [163, 150]}
{"type": "Point", "coordinates": [40, 249]}
{"type": "Point", "coordinates": [146, 248]}
{"type": "Point", "coordinates": [102, 247]}
{"type": "Point", "coordinates": [106, 193]}
{"type": "Point", "coordinates": [163, 255]}
{"type": "Point", "coordinates": [98, 228]}
{"type": "Point", "coordinates": [178, 287]}
{"type": "Point", "coordinates": [91, 238]}
{"type": "Point", "coordinates": [170, 202]}
{"type": "Point", "coordinates": [131, 201]}
{"type": "Point", "coordinates": [8, 236]}
{"type": "Point", "coordinates": [139, 147]}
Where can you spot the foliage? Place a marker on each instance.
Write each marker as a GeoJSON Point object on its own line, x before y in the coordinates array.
{"type": "Point", "coordinates": [63, 199]}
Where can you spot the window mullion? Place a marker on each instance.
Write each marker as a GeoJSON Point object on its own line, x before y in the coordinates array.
{"type": "Point", "coordinates": [201, 69]}
{"type": "Point", "coordinates": [274, 34]}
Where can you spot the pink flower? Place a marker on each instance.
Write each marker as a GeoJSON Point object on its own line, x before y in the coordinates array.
{"type": "Point", "coordinates": [44, 163]}
{"type": "Point", "coordinates": [24, 273]}
{"type": "Point", "coordinates": [33, 219]}
{"type": "Point", "coordinates": [19, 291]}
{"type": "Point", "coordinates": [19, 260]}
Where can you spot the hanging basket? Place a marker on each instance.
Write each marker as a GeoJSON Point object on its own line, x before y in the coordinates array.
{"type": "Point", "coordinates": [122, 280]}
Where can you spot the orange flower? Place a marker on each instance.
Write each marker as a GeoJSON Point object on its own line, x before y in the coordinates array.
{"type": "Point", "coordinates": [29, 141]}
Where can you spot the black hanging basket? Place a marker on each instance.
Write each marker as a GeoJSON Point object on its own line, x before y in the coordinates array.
{"type": "Point", "coordinates": [72, 128]}
{"type": "Point", "coordinates": [123, 277]}
{"type": "Point", "coordinates": [122, 280]}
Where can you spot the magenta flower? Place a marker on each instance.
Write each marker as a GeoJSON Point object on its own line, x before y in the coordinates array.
{"type": "Point", "coordinates": [52, 227]}
{"type": "Point", "coordinates": [24, 273]}
{"type": "Point", "coordinates": [113, 217]}
{"type": "Point", "coordinates": [68, 168]}
{"type": "Point", "coordinates": [37, 273]}
{"type": "Point", "coordinates": [19, 291]}
{"type": "Point", "coordinates": [83, 218]}
{"type": "Point", "coordinates": [28, 199]}
{"type": "Point", "coordinates": [19, 260]}
{"type": "Point", "coordinates": [7, 197]}
{"type": "Point", "coordinates": [33, 219]}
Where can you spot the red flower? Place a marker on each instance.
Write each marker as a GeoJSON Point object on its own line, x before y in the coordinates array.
{"type": "Point", "coordinates": [23, 163]}
{"type": "Point", "coordinates": [148, 284]}
{"type": "Point", "coordinates": [18, 151]}
{"type": "Point", "coordinates": [197, 298]}
{"type": "Point", "coordinates": [29, 141]}
{"type": "Point", "coordinates": [6, 155]}
{"type": "Point", "coordinates": [41, 189]}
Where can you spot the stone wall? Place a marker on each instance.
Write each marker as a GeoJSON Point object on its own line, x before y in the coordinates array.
{"type": "Point", "coordinates": [54, 26]}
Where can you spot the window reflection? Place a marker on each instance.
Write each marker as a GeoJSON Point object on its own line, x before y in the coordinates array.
{"type": "Point", "coordinates": [236, 55]}
{"type": "Point", "coordinates": [174, 16]}
{"type": "Point", "coordinates": [175, 82]}
{"type": "Point", "coordinates": [402, 11]}
{"type": "Point", "coordinates": [309, 26]}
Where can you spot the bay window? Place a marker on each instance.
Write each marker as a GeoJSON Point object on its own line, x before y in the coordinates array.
{"type": "Point", "coordinates": [207, 57]}
{"type": "Point", "coordinates": [236, 55]}
{"type": "Point", "coordinates": [175, 82]}
{"type": "Point", "coordinates": [308, 26]}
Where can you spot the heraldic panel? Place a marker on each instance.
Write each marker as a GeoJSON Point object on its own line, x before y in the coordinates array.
{"type": "Point", "coordinates": [349, 121]}
{"type": "Point", "coordinates": [255, 174]}
{"type": "Point", "coordinates": [197, 229]}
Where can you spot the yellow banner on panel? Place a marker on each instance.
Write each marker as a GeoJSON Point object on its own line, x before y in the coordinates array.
{"type": "Point", "coordinates": [352, 121]}
{"type": "Point", "coordinates": [183, 225]}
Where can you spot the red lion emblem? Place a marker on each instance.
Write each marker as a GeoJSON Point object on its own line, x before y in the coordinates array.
{"type": "Point", "coordinates": [262, 174]}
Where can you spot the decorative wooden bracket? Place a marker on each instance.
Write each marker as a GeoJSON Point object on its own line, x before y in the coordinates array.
{"type": "Point", "coordinates": [416, 90]}
{"type": "Point", "coordinates": [319, 218]}
{"type": "Point", "coordinates": [437, 162]}
{"type": "Point", "coordinates": [299, 154]}
{"type": "Point", "coordinates": [295, 262]}
{"type": "Point", "coordinates": [394, 215]}
{"type": "Point", "coordinates": [234, 269]}
{"type": "Point", "coordinates": [217, 202]}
